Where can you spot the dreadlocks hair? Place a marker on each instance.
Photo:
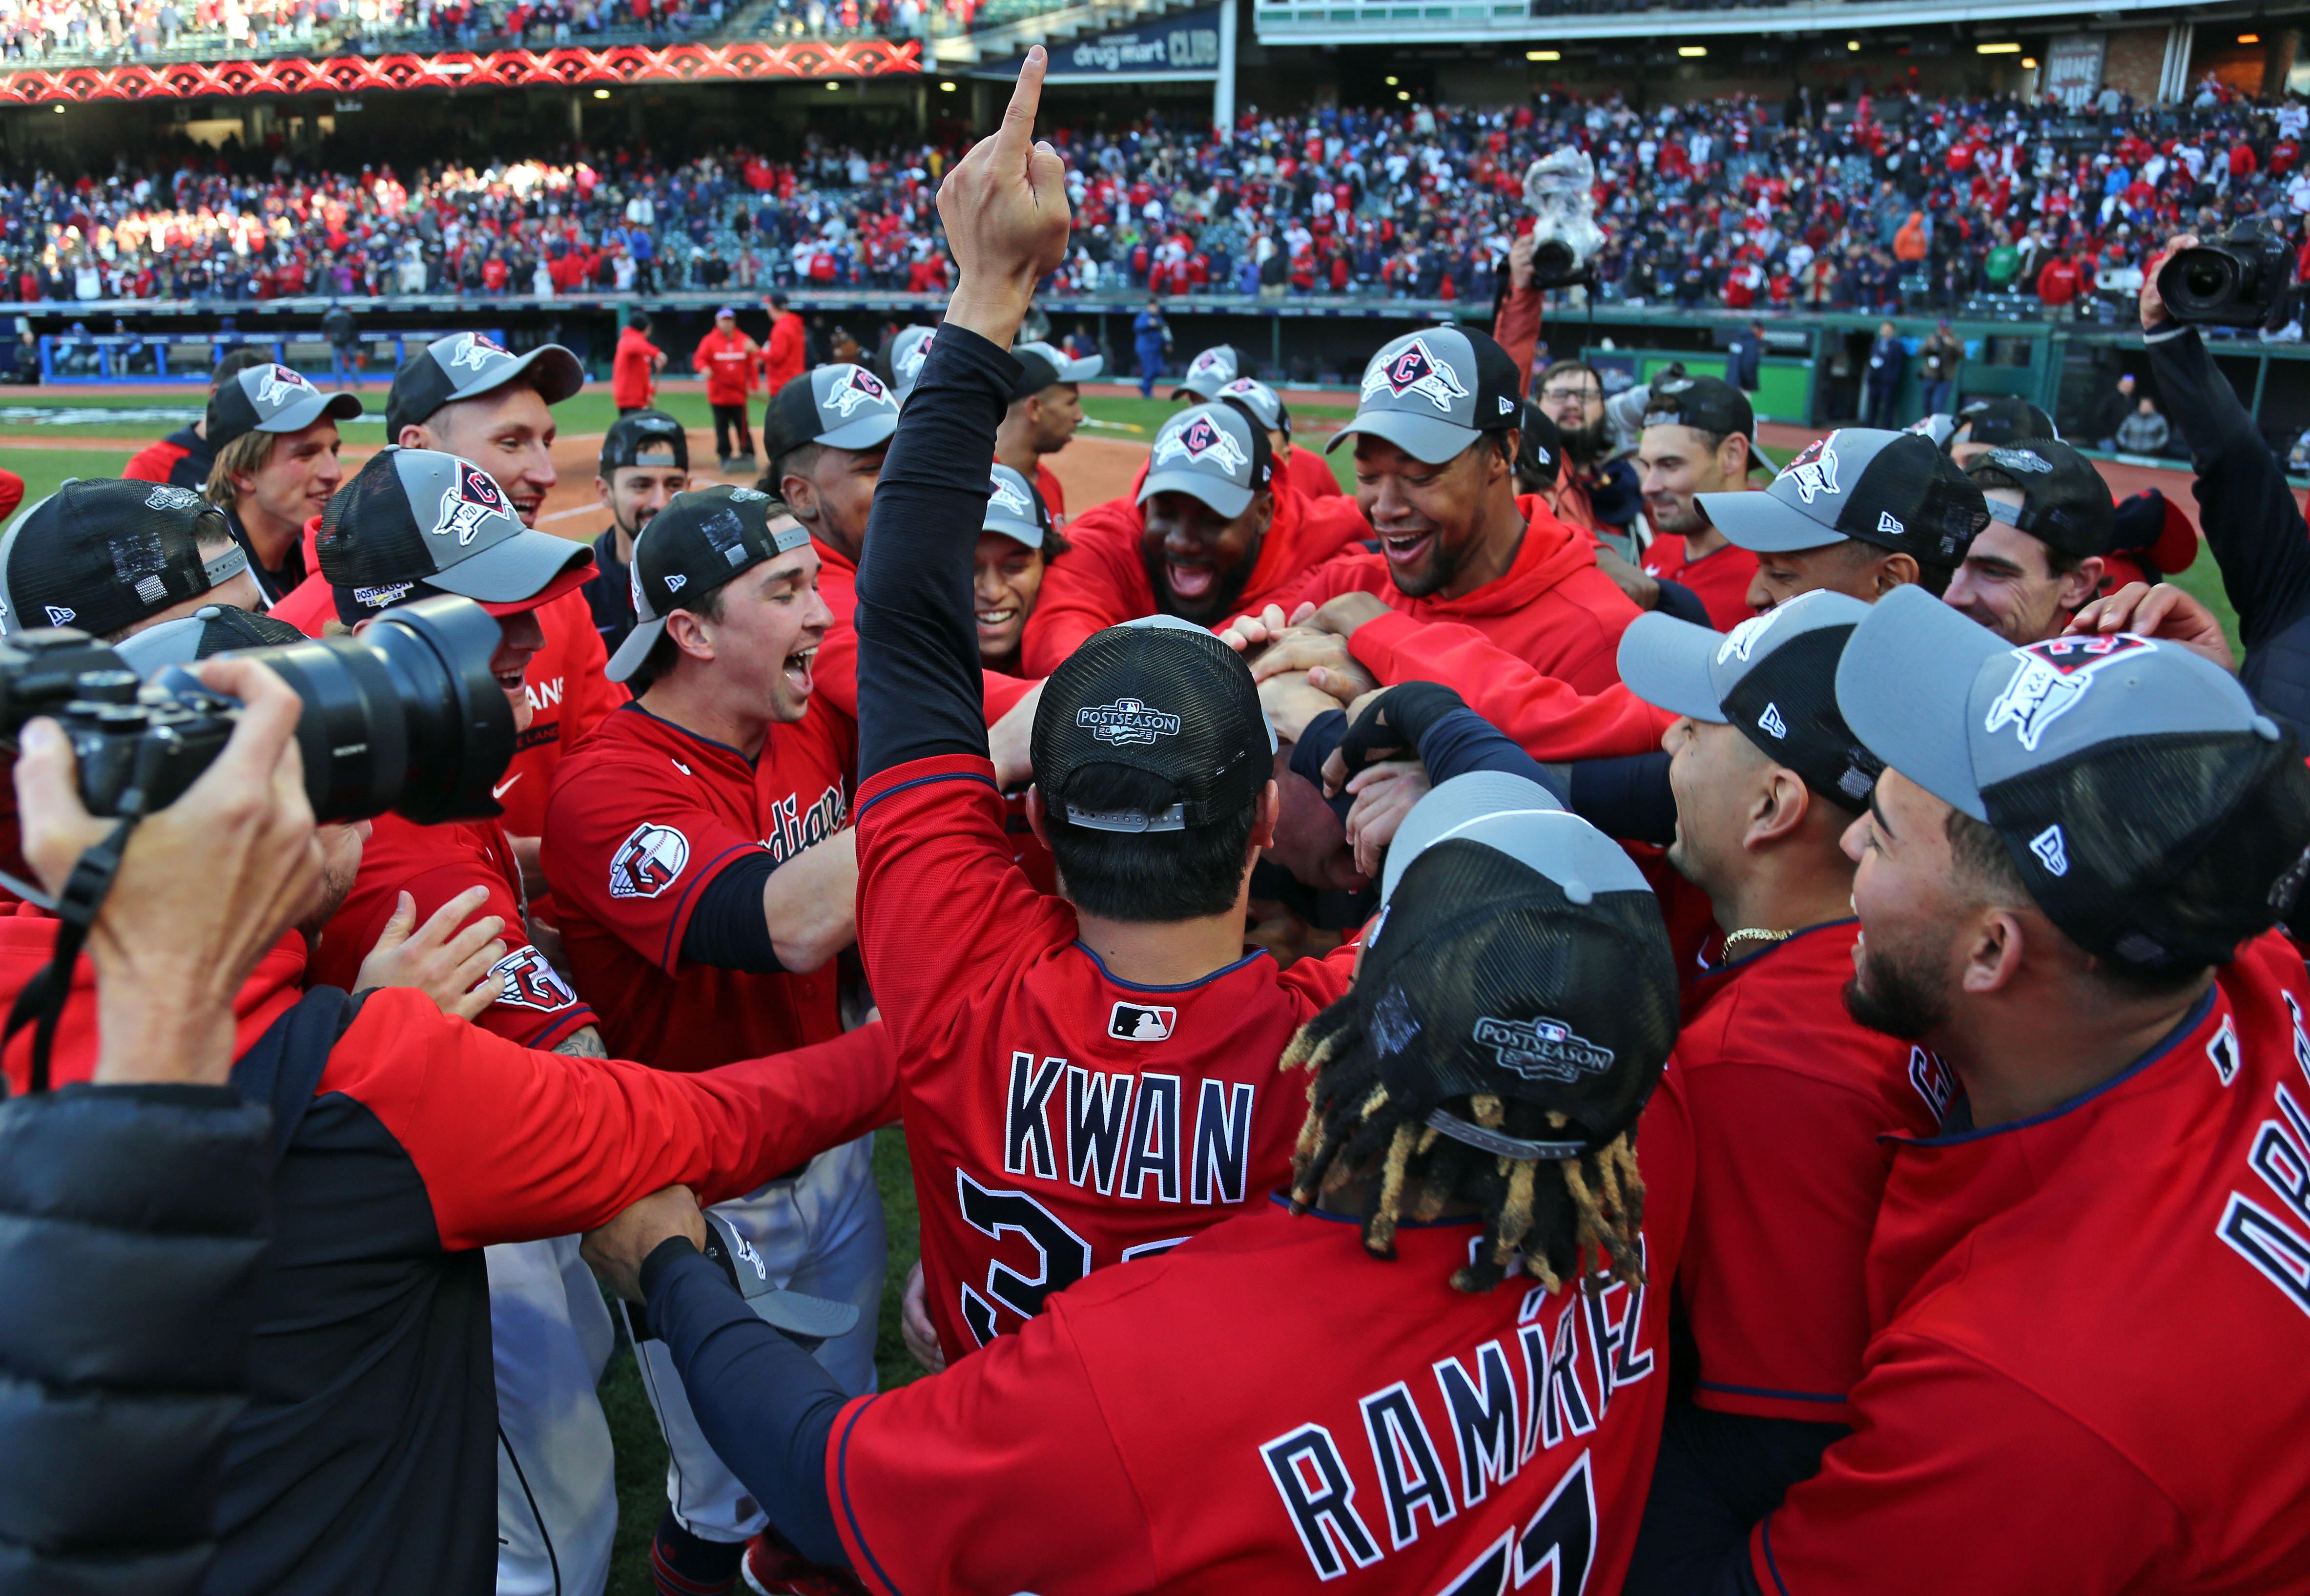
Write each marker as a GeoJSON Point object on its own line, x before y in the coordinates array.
{"type": "Point", "coordinates": [1559, 1219]}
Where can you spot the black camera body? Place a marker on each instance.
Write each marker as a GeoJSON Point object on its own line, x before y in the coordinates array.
{"type": "Point", "coordinates": [2238, 279]}
{"type": "Point", "coordinates": [407, 717]}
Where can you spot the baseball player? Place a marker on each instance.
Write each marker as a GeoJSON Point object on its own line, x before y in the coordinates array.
{"type": "Point", "coordinates": [1302, 468]}
{"type": "Point", "coordinates": [699, 844]}
{"type": "Point", "coordinates": [1017, 542]}
{"type": "Point", "coordinates": [1789, 1098]}
{"type": "Point", "coordinates": [1210, 530]}
{"type": "Point", "coordinates": [2088, 1287]}
{"type": "Point", "coordinates": [1700, 437]}
{"type": "Point", "coordinates": [2043, 556]}
{"type": "Point", "coordinates": [275, 440]}
{"type": "Point", "coordinates": [644, 462]}
{"type": "Point", "coordinates": [1046, 410]}
{"type": "Point", "coordinates": [1479, 1413]}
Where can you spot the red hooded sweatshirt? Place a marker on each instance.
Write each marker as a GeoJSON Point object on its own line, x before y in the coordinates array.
{"type": "Point", "coordinates": [1102, 581]}
{"type": "Point", "coordinates": [729, 364]}
{"type": "Point", "coordinates": [633, 373]}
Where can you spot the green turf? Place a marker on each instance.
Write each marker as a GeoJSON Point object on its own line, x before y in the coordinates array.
{"type": "Point", "coordinates": [633, 1429]}
{"type": "Point", "coordinates": [43, 470]}
{"type": "Point", "coordinates": [2203, 582]}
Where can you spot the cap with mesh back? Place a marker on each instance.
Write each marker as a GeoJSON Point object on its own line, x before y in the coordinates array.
{"type": "Point", "coordinates": [1433, 392]}
{"type": "Point", "coordinates": [1774, 677]}
{"type": "Point", "coordinates": [102, 554]}
{"type": "Point", "coordinates": [701, 539]}
{"type": "Point", "coordinates": [908, 350]}
{"type": "Point", "coordinates": [270, 398]}
{"type": "Point", "coordinates": [1211, 452]}
{"type": "Point", "coordinates": [1210, 371]}
{"type": "Point", "coordinates": [2064, 502]}
{"type": "Point", "coordinates": [1165, 698]}
{"type": "Point", "coordinates": [2001, 420]}
{"type": "Point", "coordinates": [1015, 509]}
{"type": "Point", "coordinates": [645, 437]}
{"type": "Point", "coordinates": [211, 629]}
{"type": "Point", "coordinates": [1520, 955]}
{"type": "Point", "coordinates": [2110, 767]}
{"type": "Point", "coordinates": [1064, 366]}
{"type": "Point", "coordinates": [1263, 404]}
{"type": "Point", "coordinates": [468, 365]}
{"type": "Point", "coordinates": [1706, 404]}
{"type": "Point", "coordinates": [1891, 488]}
{"type": "Point", "coordinates": [416, 522]}
{"type": "Point", "coordinates": [843, 407]}
{"type": "Point", "coordinates": [1540, 446]}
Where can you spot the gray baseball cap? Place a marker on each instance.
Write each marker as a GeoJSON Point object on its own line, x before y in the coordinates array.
{"type": "Point", "coordinates": [908, 350]}
{"type": "Point", "coordinates": [1209, 452]}
{"type": "Point", "coordinates": [271, 399]}
{"type": "Point", "coordinates": [809, 1321]}
{"type": "Point", "coordinates": [414, 522]}
{"type": "Point", "coordinates": [1455, 805]}
{"type": "Point", "coordinates": [1266, 404]}
{"type": "Point", "coordinates": [1066, 368]}
{"type": "Point", "coordinates": [1015, 509]}
{"type": "Point", "coordinates": [1891, 488]}
{"type": "Point", "coordinates": [1210, 371]}
{"type": "Point", "coordinates": [2110, 767]}
{"type": "Point", "coordinates": [1433, 392]}
{"type": "Point", "coordinates": [1774, 677]}
{"type": "Point", "coordinates": [842, 406]}
{"type": "Point", "coordinates": [467, 365]}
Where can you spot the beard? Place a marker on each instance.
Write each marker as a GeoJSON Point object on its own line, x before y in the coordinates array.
{"type": "Point", "coordinates": [1587, 445]}
{"type": "Point", "coordinates": [1897, 993]}
{"type": "Point", "coordinates": [1207, 609]}
{"type": "Point", "coordinates": [1674, 517]}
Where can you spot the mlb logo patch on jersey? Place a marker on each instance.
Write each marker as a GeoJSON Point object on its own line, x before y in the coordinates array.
{"type": "Point", "coordinates": [1415, 370]}
{"type": "Point", "coordinates": [532, 983]}
{"type": "Point", "coordinates": [1143, 1022]}
{"type": "Point", "coordinates": [648, 862]}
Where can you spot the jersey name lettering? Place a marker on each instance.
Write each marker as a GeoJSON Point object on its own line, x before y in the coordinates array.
{"type": "Point", "coordinates": [2280, 1157]}
{"type": "Point", "coordinates": [1446, 1442]}
{"type": "Point", "coordinates": [1128, 1135]}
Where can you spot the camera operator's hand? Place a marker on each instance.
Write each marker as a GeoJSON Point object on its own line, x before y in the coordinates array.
{"type": "Point", "coordinates": [447, 965]}
{"type": "Point", "coordinates": [2153, 303]}
{"type": "Point", "coordinates": [205, 887]}
{"type": "Point", "coordinates": [2163, 611]}
{"type": "Point", "coordinates": [616, 1252]}
{"type": "Point", "coordinates": [1520, 262]}
{"type": "Point", "coordinates": [1005, 206]}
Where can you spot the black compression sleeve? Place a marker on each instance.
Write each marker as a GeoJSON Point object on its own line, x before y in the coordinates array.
{"type": "Point", "coordinates": [1717, 1475]}
{"type": "Point", "coordinates": [728, 929]}
{"type": "Point", "coordinates": [1678, 600]}
{"type": "Point", "coordinates": [920, 691]}
{"type": "Point", "coordinates": [1463, 740]}
{"type": "Point", "coordinates": [1627, 798]}
{"type": "Point", "coordinates": [763, 1404]}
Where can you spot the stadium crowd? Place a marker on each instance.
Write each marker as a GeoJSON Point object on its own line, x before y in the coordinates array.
{"type": "Point", "coordinates": [1900, 203]}
{"type": "Point", "coordinates": [1793, 962]}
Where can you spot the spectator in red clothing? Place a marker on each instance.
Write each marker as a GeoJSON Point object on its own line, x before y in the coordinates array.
{"type": "Point", "coordinates": [2058, 281]}
{"type": "Point", "coordinates": [634, 368]}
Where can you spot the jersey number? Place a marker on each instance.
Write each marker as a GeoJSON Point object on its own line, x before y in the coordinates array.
{"type": "Point", "coordinates": [1063, 1257]}
{"type": "Point", "coordinates": [1560, 1539]}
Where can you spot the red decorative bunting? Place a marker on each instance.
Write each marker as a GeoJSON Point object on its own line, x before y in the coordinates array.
{"type": "Point", "coordinates": [507, 69]}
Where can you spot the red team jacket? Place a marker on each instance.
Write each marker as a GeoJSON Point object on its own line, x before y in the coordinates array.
{"type": "Point", "coordinates": [1055, 496]}
{"type": "Point", "coordinates": [2086, 1374]}
{"type": "Point", "coordinates": [1103, 579]}
{"type": "Point", "coordinates": [1720, 578]}
{"type": "Point", "coordinates": [1059, 1120]}
{"type": "Point", "coordinates": [728, 365]}
{"type": "Point", "coordinates": [782, 357]}
{"type": "Point", "coordinates": [1553, 610]}
{"type": "Point", "coordinates": [641, 819]}
{"type": "Point", "coordinates": [1790, 1099]}
{"type": "Point", "coordinates": [1357, 1426]}
{"type": "Point", "coordinates": [1311, 473]}
{"type": "Point", "coordinates": [633, 371]}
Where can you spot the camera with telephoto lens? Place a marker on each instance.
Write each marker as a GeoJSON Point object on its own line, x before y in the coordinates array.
{"type": "Point", "coordinates": [1561, 190]}
{"type": "Point", "coordinates": [2239, 279]}
{"type": "Point", "coordinates": [405, 717]}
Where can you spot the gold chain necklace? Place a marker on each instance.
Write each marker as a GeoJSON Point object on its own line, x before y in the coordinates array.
{"type": "Point", "coordinates": [1752, 933]}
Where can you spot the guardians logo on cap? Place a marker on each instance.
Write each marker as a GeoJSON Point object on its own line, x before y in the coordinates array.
{"type": "Point", "coordinates": [1415, 370]}
{"type": "Point", "coordinates": [1213, 453]}
{"type": "Point", "coordinates": [1201, 438]}
{"type": "Point", "coordinates": [1813, 472]}
{"type": "Point", "coordinates": [1210, 371]}
{"type": "Point", "coordinates": [861, 387]}
{"type": "Point", "coordinates": [468, 504]}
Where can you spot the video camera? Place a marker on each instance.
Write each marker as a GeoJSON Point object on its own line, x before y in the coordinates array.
{"type": "Point", "coordinates": [407, 717]}
{"type": "Point", "coordinates": [2239, 279]}
{"type": "Point", "coordinates": [1561, 190]}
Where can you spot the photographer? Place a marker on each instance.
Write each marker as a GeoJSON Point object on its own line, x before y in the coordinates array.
{"type": "Point", "coordinates": [2245, 506]}
{"type": "Point", "coordinates": [140, 1203]}
{"type": "Point", "coordinates": [403, 1141]}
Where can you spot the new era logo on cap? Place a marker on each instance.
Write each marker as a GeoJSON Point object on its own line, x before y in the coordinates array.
{"type": "Point", "coordinates": [1891, 488]}
{"type": "Point", "coordinates": [1416, 369]}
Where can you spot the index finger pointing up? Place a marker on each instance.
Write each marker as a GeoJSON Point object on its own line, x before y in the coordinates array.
{"type": "Point", "coordinates": [1017, 130]}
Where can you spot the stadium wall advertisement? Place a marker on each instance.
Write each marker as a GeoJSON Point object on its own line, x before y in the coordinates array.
{"type": "Point", "coordinates": [1180, 49]}
{"type": "Point", "coordinates": [567, 67]}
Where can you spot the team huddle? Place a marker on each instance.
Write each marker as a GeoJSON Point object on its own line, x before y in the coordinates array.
{"type": "Point", "coordinates": [1788, 1071]}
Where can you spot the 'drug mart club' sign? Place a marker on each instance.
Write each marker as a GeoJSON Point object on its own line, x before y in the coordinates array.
{"type": "Point", "coordinates": [1183, 47]}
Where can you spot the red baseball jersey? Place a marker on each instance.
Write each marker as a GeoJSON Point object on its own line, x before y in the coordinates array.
{"type": "Point", "coordinates": [1269, 1408]}
{"type": "Point", "coordinates": [433, 864]}
{"type": "Point", "coordinates": [1311, 473]}
{"type": "Point", "coordinates": [2088, 1376]}
{"type": "Point", "coordinates": [1789, 1099]}
{"type": "Point", "coordinates": [1059, 1119]}
{"type": "Point", "coordinates": [639, 820]}
{"type": "Point", "coordinates": [1720, 578]}
{"type": "Point", "coordinates": [1055, 496]}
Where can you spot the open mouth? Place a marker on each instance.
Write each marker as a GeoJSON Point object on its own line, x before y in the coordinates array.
{"type": "Point", "coordinates": [513, 681]}
{"type": "Point", "coordinates": [994, 619]}
{"type": "Point", "coordinates": [1189, 581]}
{"type": "Point", "coordinates": [797, 668]}
{"type": "Point", "coordinates": [1405, 549]}
{"type": "Point", "coordinates": [527, 509]}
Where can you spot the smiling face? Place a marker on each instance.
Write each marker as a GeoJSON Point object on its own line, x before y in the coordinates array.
{"type": "Point", "coordinates": [767, 634]}
{"type": "Point", "coordinates": [1429, 516]}
{"type": "Point", "coordinates": [508, 432]}
{"type": "Point", "coordinates": [1714, 771]}
{"type": "Point", "coordinates": [1912, 912]}
{"type": "Point", "coordinates": [1006, 577]}
{"type": "Point", "coordinates": [1675, 462]}
{"type": "Point", "coordinates": [1199, 561]}
{"type": "Point", "coordinates": [637, 492]}
{"type": "Point", "coordinates": [2007, 582]}
{"type": "Point", "coordinates": [832, 492]}
{"type": "Point", "coordinates": [296, 479]}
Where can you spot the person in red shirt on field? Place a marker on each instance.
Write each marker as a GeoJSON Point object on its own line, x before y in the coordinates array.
{"type": "Point", "coordinates": [1789, 1096]}
{"type": "Point", "coordinates": [782, 355]}
{"type": "Point", "coordinates": [1209, 531]}
{"type": "Point", "coordinates": [2064, 885]}
{"type": "Point", "coordinates": [1043, 418]}
{"type": "Point", "coordinates": [730, 361]}
{"type": "Point", "coordinates": [634, 367]}
{"type": "Point", "coordinates": [1700, 437]}
{"type": "Point", "coordinates": [1304, 469]}
{"type": "Point", "coordinates": [698, 847]}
